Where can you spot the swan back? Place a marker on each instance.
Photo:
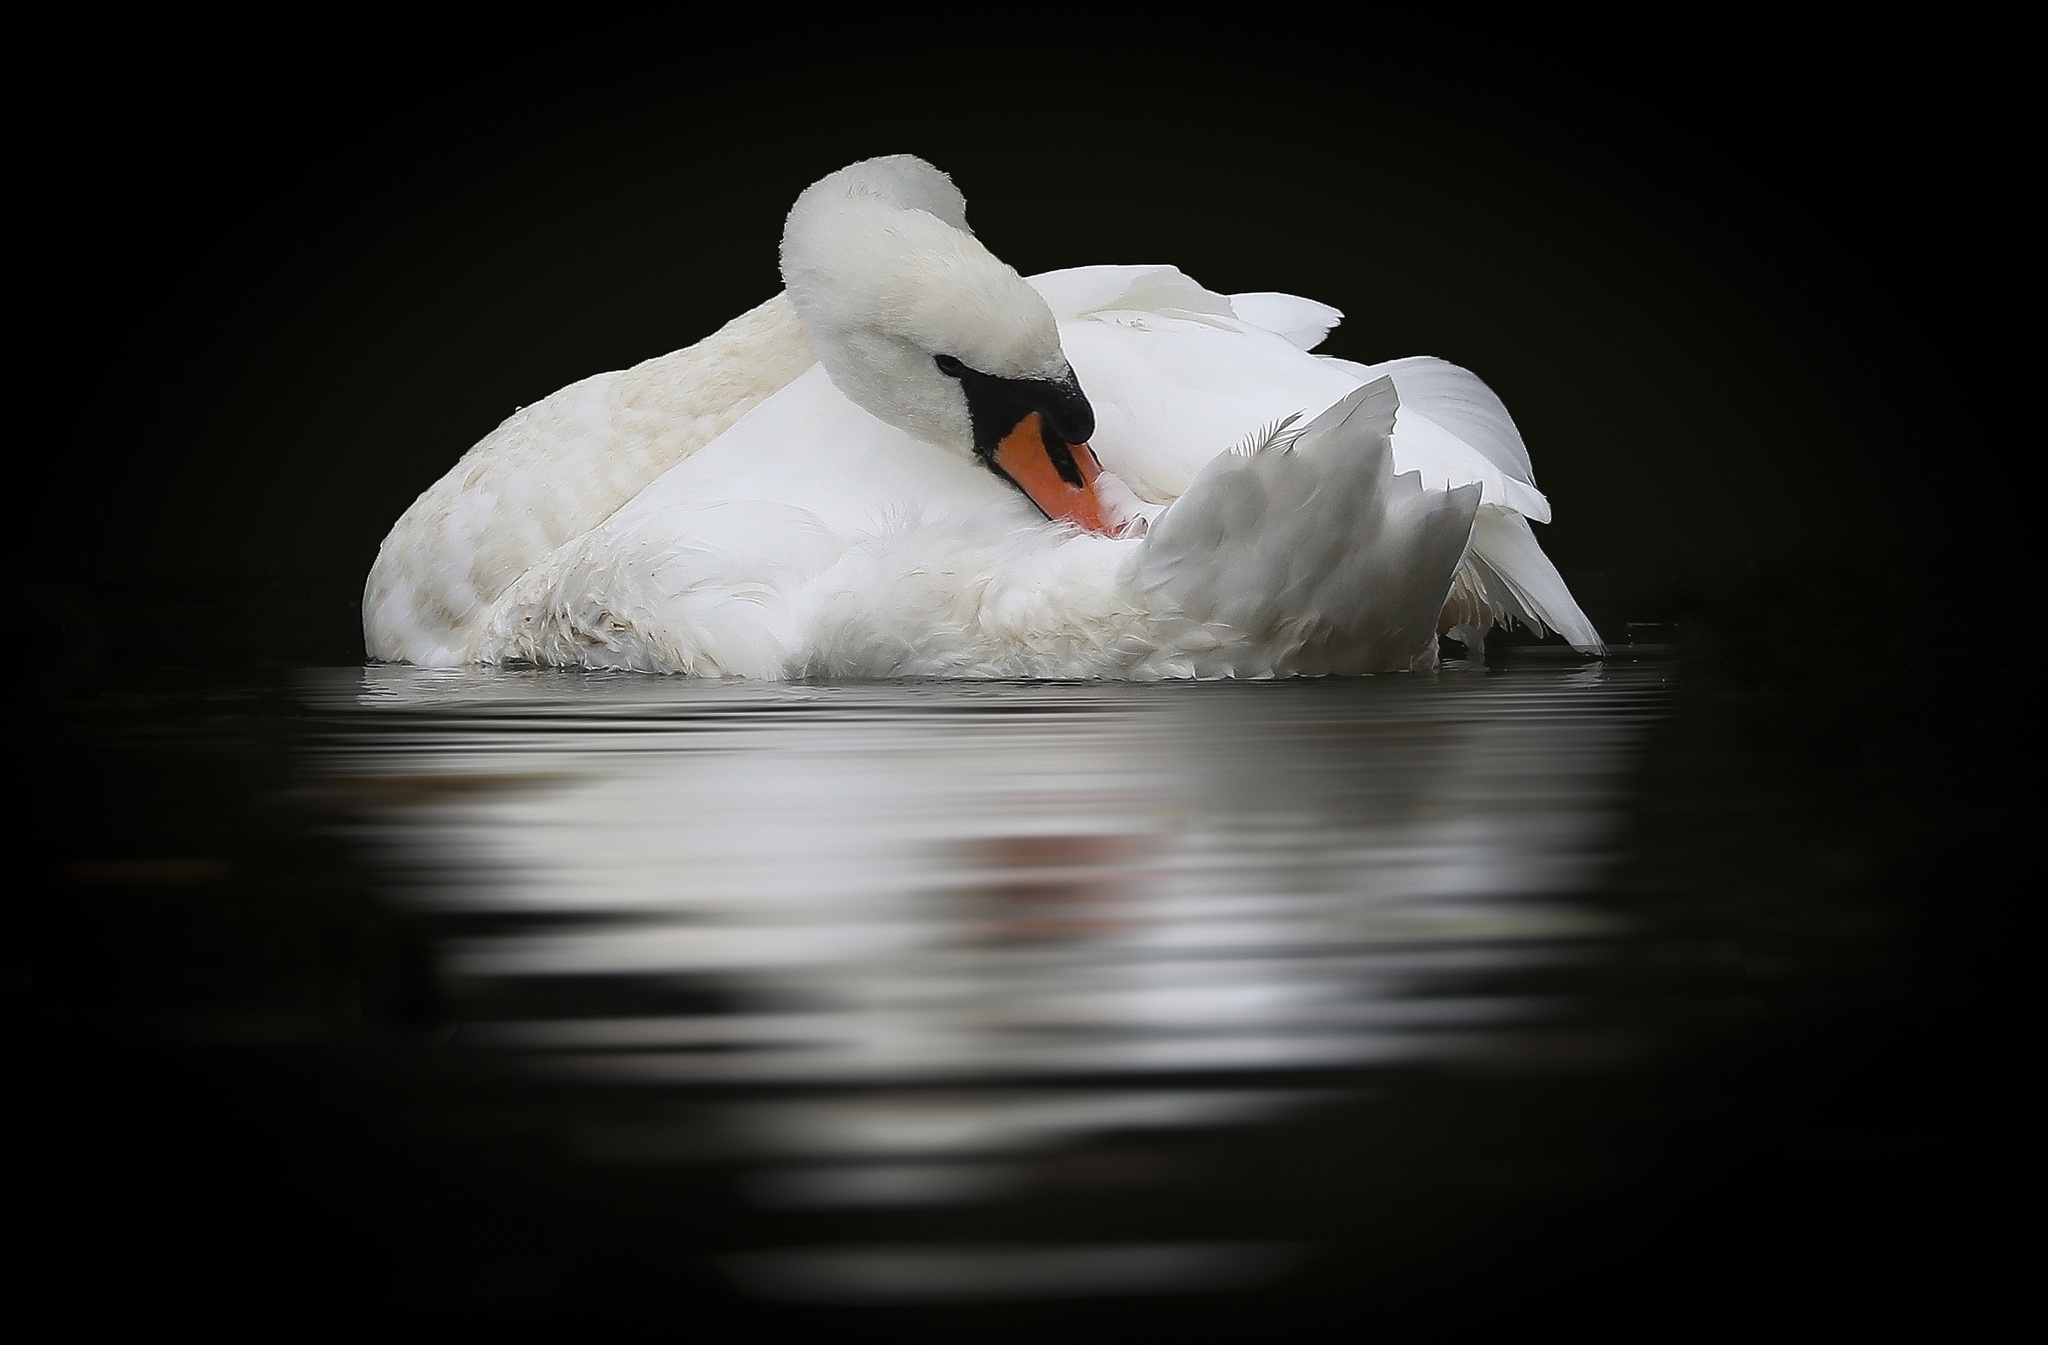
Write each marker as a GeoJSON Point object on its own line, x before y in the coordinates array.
{"type": "Point", "coordinates": [886, 275]}
{"type": "Point", "coordinates": [556, 469]}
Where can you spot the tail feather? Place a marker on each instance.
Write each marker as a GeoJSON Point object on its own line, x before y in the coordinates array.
{"type": "Point", "coordinates": [1519, 581]}
{"type": "Point", "coordinates": [1310, 557]}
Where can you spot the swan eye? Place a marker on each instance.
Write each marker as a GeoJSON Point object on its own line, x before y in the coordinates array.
{"type": "Point", "coordinates": [949, 366]}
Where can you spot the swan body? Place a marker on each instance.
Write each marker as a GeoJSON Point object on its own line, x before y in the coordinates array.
{"type": "Point", "coordinates": [917, 463]}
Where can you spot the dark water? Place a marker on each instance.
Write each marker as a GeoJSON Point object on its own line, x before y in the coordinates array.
{"type": "Point", "coordinates": [988, 972]}
{"type": "Point", "coordinates": [1601, 991]}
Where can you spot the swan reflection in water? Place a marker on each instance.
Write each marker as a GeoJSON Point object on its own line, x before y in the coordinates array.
{"type": "Point", "coordinates": [897, 946]}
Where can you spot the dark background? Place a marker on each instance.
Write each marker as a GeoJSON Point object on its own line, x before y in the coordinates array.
{"type": "Point", "coordinates": [1744, 288]}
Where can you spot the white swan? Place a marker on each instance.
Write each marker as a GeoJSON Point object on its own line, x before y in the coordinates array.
{"type": "Point", "coordinates": [917, 463]}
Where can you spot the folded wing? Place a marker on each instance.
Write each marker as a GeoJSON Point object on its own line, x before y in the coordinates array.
{"type": "Point", "coordinates": [1180, 374]}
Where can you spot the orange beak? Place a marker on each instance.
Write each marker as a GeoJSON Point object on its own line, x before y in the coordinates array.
{"type": "Point", "coordinates": [1059, 478]}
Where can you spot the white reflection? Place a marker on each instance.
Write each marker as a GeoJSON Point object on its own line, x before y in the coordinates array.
{"type": "Point", "coordinates": [884, 1185]}
{"type": "Point", "coordinates": [1014, 907]}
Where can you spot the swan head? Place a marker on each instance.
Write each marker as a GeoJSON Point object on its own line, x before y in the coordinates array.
{"type": "Point", "coordinates": [922, 327]}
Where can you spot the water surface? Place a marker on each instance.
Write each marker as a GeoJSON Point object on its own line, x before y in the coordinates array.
{"type": "Point", "coordinates": [1009, 953]}
{"type": "Point", "coordinates": [1000, 1010]}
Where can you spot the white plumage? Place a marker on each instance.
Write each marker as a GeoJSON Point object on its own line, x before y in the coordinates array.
{"type": "Point", "coordinates": [801, 493]}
